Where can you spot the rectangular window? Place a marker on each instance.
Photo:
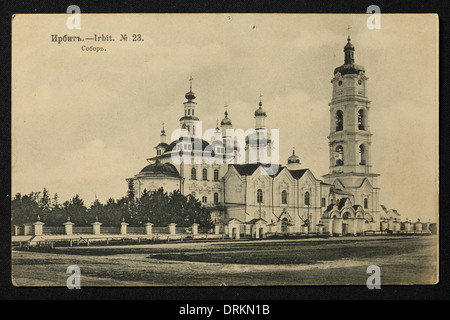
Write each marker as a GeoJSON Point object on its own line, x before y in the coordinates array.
{"type": "Point", "coordinates": [324, 202]}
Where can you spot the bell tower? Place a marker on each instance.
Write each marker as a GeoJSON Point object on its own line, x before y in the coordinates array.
{"type": "Point", "coordinates": [190, 121]}
{"type": "Point", "coordinates": [350, 136]}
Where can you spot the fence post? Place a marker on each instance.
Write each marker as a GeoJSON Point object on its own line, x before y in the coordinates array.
{"type": "Point", "coordinates": [418, 227]}
{"type": "Point", "coordinates": [148, 228]}
{"type": "Point", "coordinates": [407, 226]}
{"type": "Point", "coordinates": [195, 228]}
{"type": "Point", "coordinates": [172, 228]}
{"type": "Point", "coordinates": [38, 227]}
{"type": "Point", "coordinates": [68, 227]}
{"type": "Point", "coordinates": [96, 226]}
{"type": "Point", "coordinates": [27, 229]}
{"type": "Point", "coordinates": [123, 227]}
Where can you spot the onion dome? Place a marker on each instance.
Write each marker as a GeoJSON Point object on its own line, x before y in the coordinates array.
{"type": "Point", "coordinates": [349, 45]}
{"type": "Point", "coordinates": [293, 164]}
{"type": "Point", "coordinates": [190, 96]}
{"type": "Point", "coordinates": [293, 158]}
{"type": "Point", "coordinates": [160, 169]}
{"type": "Point", "coordinates": [226, 121]}
{"type": "Point", "coordinates": [260, 112]}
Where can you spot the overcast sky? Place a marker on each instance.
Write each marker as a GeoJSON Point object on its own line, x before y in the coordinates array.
{"type": "Point", "coordinates": [83, 122]}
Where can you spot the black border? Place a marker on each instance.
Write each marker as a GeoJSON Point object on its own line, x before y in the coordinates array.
{"type": "Point", "coordinates": [224, 294]}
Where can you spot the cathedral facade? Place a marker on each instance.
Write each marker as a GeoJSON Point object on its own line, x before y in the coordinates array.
{"type": "Point", "coordinates": [254, 196]}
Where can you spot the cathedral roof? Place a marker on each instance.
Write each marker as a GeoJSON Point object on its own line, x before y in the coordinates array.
{"type": "Point", "coordinates": [350, 68]}
{"type": "Point", "coordinates": [246, 169]}
{"type": "Point", "coordinates": [341, 192]}
{"type": "Point", "coordinates": [253, 221]}
{"type": "Point", "coordinates": [162, 145]}
{"type": "Point", "coordinates": [160, 169]}
{"type": "Point", "coordinates": [195, 140]}
{"type": "Point", "coordinates": [342, 202]}
{"type": "Point", "coordinates": [168, 150]}
{"type": "Point", "coordinates": [249, 169]}
{"type": "Point", "coordinates": [297, 174]}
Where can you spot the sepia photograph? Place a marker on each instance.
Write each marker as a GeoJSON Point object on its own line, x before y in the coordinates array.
{"type": "Point", "coordinates": [207, 150]}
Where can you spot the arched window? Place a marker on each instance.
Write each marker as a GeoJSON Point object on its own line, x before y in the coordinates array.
{"type": "Point", "coordinates": [339, 120]}
{"type": "Point", "coordinates": [366, 203]}
{"type": "Point", "coordinates": [259, 196]}
{"type": "Point", "coordinates": [361, 119]}
{"type": "Point", "coordinates": [362, 155]}
{"type": "Point", "coordinates": [216, 197]}
{"type": "Point", "coordinates": [216, 175]}
{"type": "Point", "coordinates": [339, 155]}
{"type": "Point", "coordinates": [205, 174]}
{"type": "Point", "coordinates": [284, 198]}
{"type": "Point", "coordinates": [307, 199]}
{"type": "Point", "coordinates": [193, 173]}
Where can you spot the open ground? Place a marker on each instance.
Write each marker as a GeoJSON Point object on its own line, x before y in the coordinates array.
{"type": "Point", "coordinates": [334, 261]}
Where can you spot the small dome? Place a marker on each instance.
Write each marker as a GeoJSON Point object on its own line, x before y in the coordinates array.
{"type": "Point", "coordinates": [190, 95]}
{"type": "Point", "coordinates": [260, 112]}
{"type": "Point", "coordinates": [161, 169]}
{"type": "Point", "coordinates": [349, 45]}
{"type": "Point", "coordinates": [293, 158]}
{"type": "Point", "coordinates": [226, 121]}
{"type": "Point", "coordinates": [293, 162]}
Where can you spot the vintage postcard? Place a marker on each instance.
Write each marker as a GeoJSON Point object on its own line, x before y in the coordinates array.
{"type": "Point", "coordinates": [224, 150]}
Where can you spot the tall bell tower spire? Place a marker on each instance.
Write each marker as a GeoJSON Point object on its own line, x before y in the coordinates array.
{"type": "Point", "coordinates": [349, 50]}
{"type": "Point", "coordinates": [349, 140]}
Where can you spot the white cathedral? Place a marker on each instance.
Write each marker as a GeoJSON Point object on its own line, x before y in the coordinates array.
{"type": "Point", "coordinates": [254, 197]}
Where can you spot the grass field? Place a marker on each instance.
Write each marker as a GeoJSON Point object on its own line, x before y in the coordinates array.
{"type": "Point", "coordinates": [344, 261]}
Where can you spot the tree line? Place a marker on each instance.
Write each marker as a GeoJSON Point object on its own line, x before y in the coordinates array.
{"type": "Point", "coordinates": [158, 207]}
